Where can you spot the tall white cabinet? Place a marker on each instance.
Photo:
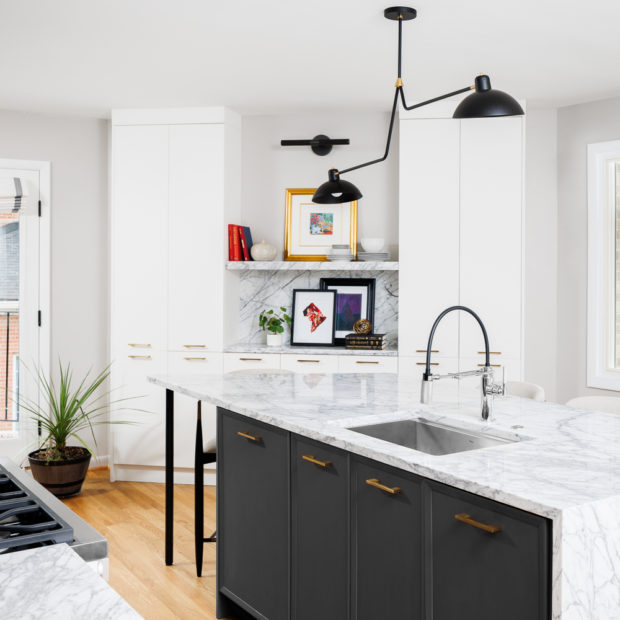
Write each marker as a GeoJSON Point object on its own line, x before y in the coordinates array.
{"type": "Point", "coordinates": [175, 187]}
{"type": "Point", "coordinates": [461, 239]}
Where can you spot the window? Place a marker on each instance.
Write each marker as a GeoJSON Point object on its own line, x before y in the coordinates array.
{"type": "Point", "coordinates": [604, 265]}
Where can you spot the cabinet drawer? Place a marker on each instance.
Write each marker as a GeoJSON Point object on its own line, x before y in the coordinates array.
{"type": "Point", "coordinates": [487, 557]}
{"type": "Point", "coordinates": [320, 531]}
{"type": "Point", "coordinates": [242, 361]}
{"type": "Point", "coordinates": [414, 366]}
{"type": "Point", "coordinates": [367, 363]}
{"type": "Point", "coordinates": [195, 361]}
{"type": "Point", "coordinates": [310, 363]}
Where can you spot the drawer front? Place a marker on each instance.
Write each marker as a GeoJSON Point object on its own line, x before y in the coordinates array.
{"type": "Point", "coordinates": [481, 574]}
{"type": "Point", "coordinates": [253, 515]}
{"type": "Point", "coordinates": [367, 363]}
{"type": "Point", "coordinates": [320, 531]}
{"type": "Point", "coordinates": [310, 363]}
{"type": "Point", "coordinates": [243, 361]}
{"type": "Point", "coordinates": [414, 366]}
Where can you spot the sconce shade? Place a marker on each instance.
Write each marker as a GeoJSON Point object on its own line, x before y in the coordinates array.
{"type": "Point", "coordinates": [336, 191]}
{"type": "Point", "coordinates": [487, 101]}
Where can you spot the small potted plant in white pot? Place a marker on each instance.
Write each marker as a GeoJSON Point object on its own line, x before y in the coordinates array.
{"type": "Point", "coordinates": [273, 322]}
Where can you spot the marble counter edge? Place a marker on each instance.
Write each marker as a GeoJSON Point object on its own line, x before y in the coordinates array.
{"type": "Point", "coordinates": [248, 347]}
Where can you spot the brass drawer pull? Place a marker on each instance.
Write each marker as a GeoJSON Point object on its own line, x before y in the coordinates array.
{"type": "Point", "coordinates": [143, 346]}
{"type": "Point", "coordinates": [424, 363]}
{"type": "Point", "coordinates": [195, 346]}
{"type": "Point", "coordinates": [463, 517]}
{"type": "Point", "coordinates": [310, 361]}
{"type": "Point", "coordinates": [494, 365]}
{"type": "Point", "coordinates": [195, 359]}
{"type": "Point", "coordinates": [490, 352]}
{"type": "Point", "coordinates": [374, 482]}
{"type": "Point", "coordinates": [250, 359]}
{"type": "Point", "coordinates": [311, 459]}
{"type": "Point", "coordinates": [360, 362]}
{"type": "Point", "coordinates": [424, 350]}
{"type": "Point", "coordinates": [140, 357]}
{"type": "Point", "coordinates": [248, 436]}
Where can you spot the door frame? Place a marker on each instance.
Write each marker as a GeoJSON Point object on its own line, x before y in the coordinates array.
{"type": "Point", "coordinates": [44, 293]}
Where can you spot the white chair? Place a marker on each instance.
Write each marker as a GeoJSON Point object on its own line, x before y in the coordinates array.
{"type": "Point", "coordinates": [608, 404]}
{"type": "Point", "coordinates": [525, 390]}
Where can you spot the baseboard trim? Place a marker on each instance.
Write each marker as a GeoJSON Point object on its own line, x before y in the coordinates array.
{"type": "Point", "coordinates": [138, 473]}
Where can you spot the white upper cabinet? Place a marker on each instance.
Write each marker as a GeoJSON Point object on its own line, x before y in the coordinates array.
{"type": "Point", "coordinates": [429, 234]}
{"type": "Point", "coordinates": [197, 233]}
{"type": "Point", "coordinates": [139, 244]}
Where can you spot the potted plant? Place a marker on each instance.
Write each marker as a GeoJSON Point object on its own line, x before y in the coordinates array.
{"type": "Point", "coordinates": [274, 323]}
{"type": "Point", "coordinates": [66, 409]}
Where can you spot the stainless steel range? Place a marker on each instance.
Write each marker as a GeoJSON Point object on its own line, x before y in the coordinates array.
{"type": "Point", "coordinates": [30, 516]}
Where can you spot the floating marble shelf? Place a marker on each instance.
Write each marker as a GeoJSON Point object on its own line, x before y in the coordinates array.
{"type": "Point", "coordinates": [311, 266]}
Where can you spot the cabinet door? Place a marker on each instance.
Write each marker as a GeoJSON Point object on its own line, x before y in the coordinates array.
{"type": "Point", "coordinates": [429, 234]}
{"type": "Point", "coordinates": [197, 235]}
{"type": "Point", "coordinates": [309, 363]}
{"type": "Point", "coordinates": [367, 363]}
{"type": "Point", "coordinates": [253, 515]}
{"type": "Point", "coordinates": [491, 254]}
{"type": "Point", "coordinates": [251, 361]}
{"type": "Point", "coordinates": [139, 239]}
{"type": "Point", "coordinates": [479, 575]}
{"type": "Point", "coordinates": [387, 554]}
{"type": "Point", "coordinates": [320, 531]}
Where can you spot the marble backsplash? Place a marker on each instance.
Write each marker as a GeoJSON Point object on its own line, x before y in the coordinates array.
{"type": "Point", "coordinates": [270, 289]}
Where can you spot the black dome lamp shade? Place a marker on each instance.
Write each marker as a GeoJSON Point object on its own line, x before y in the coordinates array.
{"type": "Point", "coordinates": [485, 102]}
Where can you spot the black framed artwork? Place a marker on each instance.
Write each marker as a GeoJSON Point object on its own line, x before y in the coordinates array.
{"type": "Point", "coordinates": [313, 318]}
{"type": "Point", "coordinates": [355, 299]}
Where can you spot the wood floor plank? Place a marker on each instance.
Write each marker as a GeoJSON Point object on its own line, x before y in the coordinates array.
{"type": "Point", "coordinates": [131, 516]}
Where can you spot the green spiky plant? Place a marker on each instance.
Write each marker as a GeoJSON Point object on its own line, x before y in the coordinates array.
{"type": "Point", "coordinates": [274, 322]}
{"type": "Point", "coordinates": [67, 410]}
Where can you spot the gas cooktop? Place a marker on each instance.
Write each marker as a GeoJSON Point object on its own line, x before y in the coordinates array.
{"type": "Point", "coordinates": [25, 521]}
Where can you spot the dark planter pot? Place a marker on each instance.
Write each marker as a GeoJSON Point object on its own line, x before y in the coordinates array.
{"type": "Point", "coordinates": [62, 478]}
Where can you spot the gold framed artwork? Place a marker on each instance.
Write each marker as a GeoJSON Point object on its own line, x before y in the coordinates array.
{"type": "Point", "coordinates": [311, 229]}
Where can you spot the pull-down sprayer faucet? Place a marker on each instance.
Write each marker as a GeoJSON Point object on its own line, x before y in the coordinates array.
{"type": "Point", "coordinates": [488, 388]}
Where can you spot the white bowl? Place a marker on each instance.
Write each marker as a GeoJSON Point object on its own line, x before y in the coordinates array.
{"type": "Point", "coordinates": [373, 244]}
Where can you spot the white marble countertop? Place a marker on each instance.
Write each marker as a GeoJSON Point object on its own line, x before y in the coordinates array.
{"type": "Point", "coordinates": [56, 584]}
{"type": "Point", "coordinates": [249, 347]}
{"type": "Point", "coordinates": [566, 466]}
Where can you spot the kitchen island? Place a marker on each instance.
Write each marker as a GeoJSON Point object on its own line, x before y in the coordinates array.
{"type": "Point", "coordinates": [557, 465]}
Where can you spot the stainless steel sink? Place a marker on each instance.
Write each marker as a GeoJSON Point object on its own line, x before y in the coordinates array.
{"type": "Point", "coordinates": [430, 437]}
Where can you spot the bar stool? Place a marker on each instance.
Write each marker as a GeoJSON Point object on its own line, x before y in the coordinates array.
{"type": "Point", "coordinates": [204, 454]}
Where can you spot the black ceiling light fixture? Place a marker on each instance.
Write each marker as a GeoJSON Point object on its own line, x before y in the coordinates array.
{"type": "Point", "coordinates": [483, 103]}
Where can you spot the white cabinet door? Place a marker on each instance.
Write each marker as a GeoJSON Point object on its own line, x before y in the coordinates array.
{"type": "Point", "coordinates": [414, 366]}
{"type": "Point", "coordinates": [196, 233]}
{"type": "Point", "coordinates": [309, 363]}
{"type": "Point", "coordinates": [491, 243]}
{"type": "Point", "coordinates": [139, 246]}
{"type": "Point", "coordinates": [251, 361]}
{"type": "Point", "coordinates": [367, 363]}
{"type": "Point", "coordinates": [429, 234]}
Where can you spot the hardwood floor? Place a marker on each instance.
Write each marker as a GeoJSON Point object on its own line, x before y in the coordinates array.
{"type": "Point", "coordinates": [131, 516]}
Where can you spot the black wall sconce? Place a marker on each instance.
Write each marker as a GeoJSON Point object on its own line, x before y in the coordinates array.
{"type": "Point", "coordinates": [321, 145]}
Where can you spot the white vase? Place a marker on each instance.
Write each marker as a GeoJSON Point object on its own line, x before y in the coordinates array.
{"type": "Point", "coordinates": [274, 340]}
{"type": "Point", "coordinates": [263, 251]}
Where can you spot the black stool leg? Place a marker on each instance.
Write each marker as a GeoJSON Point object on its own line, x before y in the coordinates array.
{"type": "Point", "coordinates": [199, 494]}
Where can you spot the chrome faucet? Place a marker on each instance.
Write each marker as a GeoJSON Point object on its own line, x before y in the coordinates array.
{"type": "Point", "coordinates": [488, 389]}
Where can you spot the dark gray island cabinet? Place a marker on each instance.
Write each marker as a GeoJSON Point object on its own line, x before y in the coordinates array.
{"type": "Point", "coordinates": [307, 531]}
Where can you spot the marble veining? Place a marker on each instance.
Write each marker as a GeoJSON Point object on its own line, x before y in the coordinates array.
{"type": "Point", "coordinates": [244, 347]}
{"type": "Point", "coordinates": [55, 583]}
{"type": "Point", "coordinates": [272, 289]}
{"type": "Point", "coordinates": [566, 466]}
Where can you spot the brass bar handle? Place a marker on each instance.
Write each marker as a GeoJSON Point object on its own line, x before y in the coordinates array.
{"type": "Point", "coordinates": [490, 352]}
{"type": "Point", "coordinates": [424, 363]}
{"type": "Point", "coordinates": [494, 365]}
{"type": "Point", "coordinates": [360, 362]}
{"type": "Point", "coordinates": [140, 357]}
{"type": "Point", "coordinates": [374, 482]}
{"type": "Point", "coordinates": [248, 436]}
{"type": "Point", "coordinates": [311, 459]}
{"type": "Point", "coordinates": [424, 350]}
{"type": "Point", "coordinates": [310, 361]}
{"type": "Point", "coordinates": [195, 346]}
{"type": "Point", "coordinates": [142, 346]}
{"type": "Point", "coordinates": [463, 517]}
{"type": "Point", "coordinates": [250, 359]}
{"type": "Point", "coordinates": [195, 359]}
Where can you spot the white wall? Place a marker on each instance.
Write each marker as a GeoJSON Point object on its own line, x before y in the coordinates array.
{"type": "Point", "coordinates": [577, 127]}
{"type": "Point", "coordinates": [268, 169]}
{"type": "Point", "coordinates": [77, 149]}
{"type": "Point", "coordinates": [541, 246]}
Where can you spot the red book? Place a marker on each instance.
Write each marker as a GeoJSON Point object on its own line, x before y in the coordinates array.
{"type": "Point", "coordinates": [236, 244]}
{"type": "Point", "coordinates": [244, 243]}
{"type": "Point", "coordinates": [231, 243]}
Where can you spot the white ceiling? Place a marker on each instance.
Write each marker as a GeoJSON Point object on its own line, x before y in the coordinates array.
{"type": "Point", "coordinates": [88, 56]}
